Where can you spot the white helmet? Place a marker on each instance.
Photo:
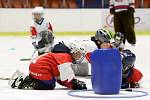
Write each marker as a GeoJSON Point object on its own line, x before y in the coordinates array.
{"type": "Point", "coordinates": [76, 46]}
{"type": "Point", "coordinates": [38, 10]}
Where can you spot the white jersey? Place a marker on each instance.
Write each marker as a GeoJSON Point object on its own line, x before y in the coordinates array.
{"type": "Point", "coordinates": [37, 27]}
{"type": "Point", "coordinates": [121, 5]}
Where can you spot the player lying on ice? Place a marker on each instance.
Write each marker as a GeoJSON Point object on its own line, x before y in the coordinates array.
{"type": "Point", "coordinates": [49, 68]}
{"type": "Point", "coordinates": [41, 32]}
{"type": "Point", "coordinates": [130, 75]}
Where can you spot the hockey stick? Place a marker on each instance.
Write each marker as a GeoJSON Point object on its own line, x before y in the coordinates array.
{"type": "Point", "coordinates": [84, 77]}
{"type": "Point", "coordinates": [28, 59]}
{"type": "Point", "coordinates": [4, 78]}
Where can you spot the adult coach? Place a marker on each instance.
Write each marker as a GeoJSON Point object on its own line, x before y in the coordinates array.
{"type": "Point", "coordinates": [123, 11]}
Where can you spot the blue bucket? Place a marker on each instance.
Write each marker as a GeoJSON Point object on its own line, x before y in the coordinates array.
{"type": "Point", "coordinates": [106, 71]}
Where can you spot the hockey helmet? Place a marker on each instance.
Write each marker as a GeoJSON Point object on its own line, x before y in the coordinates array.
{"type": "Point", "coordinates": [104, 35]}
{"type": "Point", "coordinates": [128, 60]}
{"type": "Point", "coordinates": [38, 10]}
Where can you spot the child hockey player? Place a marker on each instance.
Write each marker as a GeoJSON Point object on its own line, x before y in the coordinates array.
{"type": "Point", "coordinates": [105, 37]}
{"type": "Point", "coordinates": [41, 31]}
{"type": "Point", "coordinates": [79, 67]}
{"type": "Point", "coordinates": [131, 76]}
{"type": "Point", "coordinates": [48, 68]}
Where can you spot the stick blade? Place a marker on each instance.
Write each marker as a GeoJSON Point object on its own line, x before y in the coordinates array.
{"type": "Point", "coordinates": [25, 59]}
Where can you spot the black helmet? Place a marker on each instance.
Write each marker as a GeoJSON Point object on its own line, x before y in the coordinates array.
{"type": "Point", "coordinates": [128, 60]}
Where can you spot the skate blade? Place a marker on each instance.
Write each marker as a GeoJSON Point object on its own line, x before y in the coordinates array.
{"type": "Point", "coordinates": [18, 74]}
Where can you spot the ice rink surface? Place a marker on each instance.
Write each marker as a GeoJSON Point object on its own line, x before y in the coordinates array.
{"type": "Point", "coordinates": [14, 48]}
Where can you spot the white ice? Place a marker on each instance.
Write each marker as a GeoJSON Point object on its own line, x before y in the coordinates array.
{"type": "Point", "coordinates": [14, 48]}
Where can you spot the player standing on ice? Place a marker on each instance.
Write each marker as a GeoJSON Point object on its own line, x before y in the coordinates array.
{"type": "Point", "coordinates": [48, 68]}
{"type": "Point", "coordinates": [41, 32]}
{"type": "Point", "coordinates": [123, 11]}
{"type": "Point", "coordinates": [130, 75]}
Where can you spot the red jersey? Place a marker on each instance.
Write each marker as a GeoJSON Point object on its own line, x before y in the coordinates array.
{"type": "Point", "coordinates": [136, 76]}
{"type": "Point", "coordinates": [49, 65]}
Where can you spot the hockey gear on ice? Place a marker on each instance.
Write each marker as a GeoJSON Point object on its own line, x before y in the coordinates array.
{"type": "Point", "coordinates": [78, 85]}
{"type": "Point", "coordinates": [104, 35]}
{"type": "Point", "coordinates": [46, 42]}
{"type": "Point", "coordinates": [73, 84]}
{"type": "Point", "coordinates": [47, 37]}
{"type": "Point", "coordinates": [16, 79]}
{"type": "Point", "coordinates": [38, 13]}
{"type": "Point", "coordinates": [130, 85]}
{"type": "Point", "coordinates": [77, 50]}
{"type": "Point", "coordinates": [38, 10]}
{"type": "Point", "coordinates": [27, 83]}
{"type": "Point", "coordinates": [28, 59]}
{"type": "Point", "coordinates": [76, 46]}
{"type": "Point", "coordinates": [128, 60]}
{"type": "Point", "coordinates": [21, 81]}
{"type": "Point", "coordinates": [30, 83]}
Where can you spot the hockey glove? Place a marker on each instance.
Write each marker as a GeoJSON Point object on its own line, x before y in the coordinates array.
{"type": "Point", "coordinates": [73, 84]}
{"type": "Point", "coordinates": [130, 85]}
{"type": "Point", "coordinates": [131, 10]}
{"type": "Point", "coordinates": [112, 10]}
{"type": "Point", "coordinates": [78, 85]}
